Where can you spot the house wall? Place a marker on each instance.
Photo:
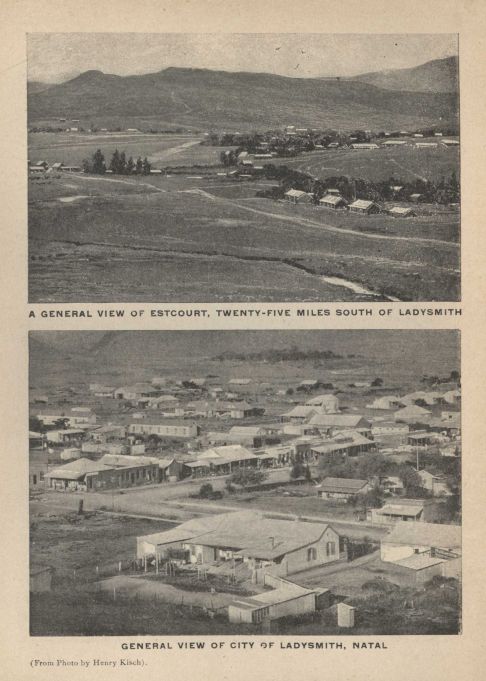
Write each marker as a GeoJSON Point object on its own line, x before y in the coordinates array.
{"type": "Point", "coordinates": [167, 430]}
{"type": "Point", "coordinates": [297, 561]}
{"type": "Point", "coordinates": [297, 606]}
{"type": "Point", "coordinates": [146, 548]}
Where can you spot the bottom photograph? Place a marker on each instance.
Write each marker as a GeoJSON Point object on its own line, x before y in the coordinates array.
{"type": "Point", "coordinates": [245, 483]}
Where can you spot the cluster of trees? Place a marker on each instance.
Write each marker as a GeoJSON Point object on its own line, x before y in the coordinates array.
{"type": "Point", "coordinates": [119, 164]}
{"type": "Point", "coordinates": [274, 356]}
{"type": "Point", "coordinates": [444, 191]}
{"type": "Point", "coordinates": [454, 377]}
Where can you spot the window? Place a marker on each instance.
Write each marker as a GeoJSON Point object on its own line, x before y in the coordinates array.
{"type": "Point", "coordinates": [331, 548]}
{"type": "Point", "coordinates": [311, 554]}
{"type": "Point", "coordinates": [259, 615]}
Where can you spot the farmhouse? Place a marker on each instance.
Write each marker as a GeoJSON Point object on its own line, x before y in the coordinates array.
{"type": "Point", "coordinates": [331, 201]}
{"type": "Point", "coordinates": [342, 489]}
{"type": "Point", "coordinates": [365, 207]}
{"type": "Point", "coordinates": [296, 196]}
{"type": "Point", "coordinates": [278, 547]}
{"type": "Point", "coordinates": [402, 212]}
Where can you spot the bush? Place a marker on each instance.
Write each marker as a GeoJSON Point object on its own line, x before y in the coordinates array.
{"type": "Point", "coordinates": [206, 491]}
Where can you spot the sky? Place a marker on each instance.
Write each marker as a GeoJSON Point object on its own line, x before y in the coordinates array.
{"type": "Point", "coordinates": [55, 57]}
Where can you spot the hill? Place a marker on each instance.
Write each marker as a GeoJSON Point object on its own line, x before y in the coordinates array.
{"type": "Point", "coordinates": [230, 100]}
{"type": "Point", "coordinates": [69, 358]}
{"type": "Point", "coordinates": [439, 76]}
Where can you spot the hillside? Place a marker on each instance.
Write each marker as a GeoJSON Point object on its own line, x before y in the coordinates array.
{"type": "Point", "coordinates": [229, 100]}
{"type": "Point", "coordinates": [439, 76]}
{"type": "Point", "coordinates": [64, 358]}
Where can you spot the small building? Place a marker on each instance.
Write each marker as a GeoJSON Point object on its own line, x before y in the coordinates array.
{"type": "Point", "coordinates": [427, 539]}
{"type": "Point", "coordinates": [436, 484]}
{"type": "Point", "coordinates": [334, 202]}
{"type": "Point", "coordinates": [365, 207]}
{"type": "Point", "coordinates": [416, 197]}
{"type": "Point", "coordinates": [287, 599]}
{"type": "Point", "coordinates": [300, 413]}
{"type": "Point", "coordinates": [297, 196]}
{"type": "Point", "coordinates": [65, 436]}
{"type": "Point", "coordinates": [365, 146]}
{"type": "Point", "coordinates": [407, 510]}
{"type": "Point", "coordinates": [167, 429]}
{"type": "Point", "coordinates": [385, 403]}
{"type": "Point", "coordinates": [402, 212]}
{"type": "Point", "coordinates": [342, 489]}
{"type": "Point", "coordinates": [412, 414]}
{"type": "Point", "coordinates": [327, 404]}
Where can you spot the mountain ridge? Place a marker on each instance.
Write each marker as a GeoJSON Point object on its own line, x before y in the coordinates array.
{"type": "Point", "coordinates": [229, 99]}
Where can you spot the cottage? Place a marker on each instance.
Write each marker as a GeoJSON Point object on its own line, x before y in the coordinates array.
{"type": "Point", "coordinates": [297, 196]}
{"type": "Point", "coordinates": [65, 436]}
{"type": "Point", "coordinates": [364, 207]}
{"type": "Point", "coordinates": [263, 545]}
{"type": "Point", "coordinates": [342, 489]}
{"type": "Point", "coordinates": [334, 202]}
{"type": "Point", "coordinates": [342, 445]}
{"type": "Point", "coordinates": [402, 212]}
{"type": "Point", "coordinates": [327, 404]}
{"type": "Point", "coordinates": [408, 510]}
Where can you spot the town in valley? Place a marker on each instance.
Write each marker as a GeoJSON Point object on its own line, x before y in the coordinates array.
{"type": "Point", "coordinates": [198, 184]}
{"type": "Point", "coordinates": [245, 482]}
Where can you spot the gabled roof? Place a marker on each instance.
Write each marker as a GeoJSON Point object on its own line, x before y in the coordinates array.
{"type": "Point", "coordinates": [339, 420]}
{"type": "Point", "coordinates": [363, 203]}
{"type": "Point", "coordinates": [247, 531]}
{"type": "Point", "coordinates": [227, 453]}
{"type": "Point", "coordinates": [333, 200]}
{"type": "Point", "coordinates": [77, 469]}
{"type": "Point", "coordinates": [342, 485]}
{"type": "Point", "coordinates": [301, 411]}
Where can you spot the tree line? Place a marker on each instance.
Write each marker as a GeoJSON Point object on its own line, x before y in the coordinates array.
{"type": "Point", "coordinates": [119, 164]}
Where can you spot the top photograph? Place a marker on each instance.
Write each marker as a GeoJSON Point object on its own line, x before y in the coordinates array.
{"type": "Point", "coordinates": [221, 168]}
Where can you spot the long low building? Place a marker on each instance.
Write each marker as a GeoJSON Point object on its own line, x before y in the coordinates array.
{"type": "Point", "coordinates": [175, 429]}
{"type": "Point", "coordinates": [280, 547]}
{"type": "Point", "coordinates": [110, 472]}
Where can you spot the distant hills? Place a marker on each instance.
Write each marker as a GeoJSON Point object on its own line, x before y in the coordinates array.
{"type": "Point", "coordinates": [439, 75]}
{"type": "Point", "coordinates": [228, 100]}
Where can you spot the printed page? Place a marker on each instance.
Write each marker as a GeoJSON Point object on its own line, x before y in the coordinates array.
{"type": "Point", "coordinates": [243, 310]}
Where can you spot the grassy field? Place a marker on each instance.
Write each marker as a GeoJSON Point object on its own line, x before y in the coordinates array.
{"type": "Point", "coordinates": [117, 243]}
{"type": "Point", "coordinates": [405, 163]}
{"type": "Point", "coordinates": [161, 149]}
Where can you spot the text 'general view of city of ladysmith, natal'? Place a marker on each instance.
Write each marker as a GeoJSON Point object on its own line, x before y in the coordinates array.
{"type": "Point", "coordinates": [255, 167]}
{"type": "Point", "coordinates": [244, 482]}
